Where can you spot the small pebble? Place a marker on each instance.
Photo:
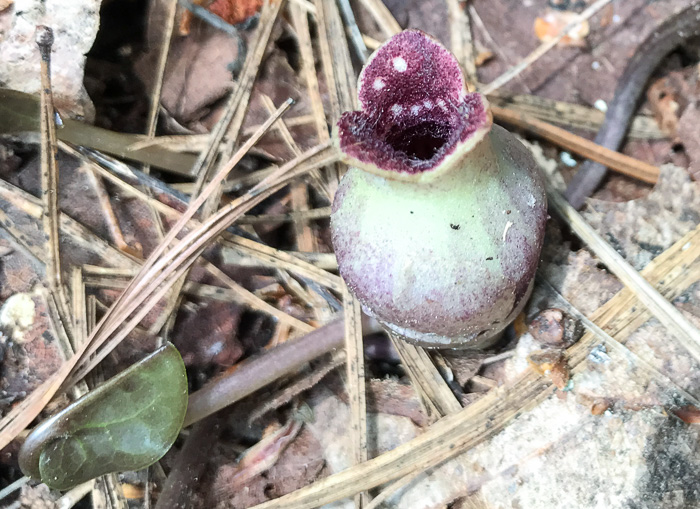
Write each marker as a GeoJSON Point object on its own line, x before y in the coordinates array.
{"type": "Point", "coordinates": [567, 159]}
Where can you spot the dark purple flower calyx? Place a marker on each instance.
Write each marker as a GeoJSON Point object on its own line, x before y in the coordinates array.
{"type": "Point", "coordinates": [417, 118]}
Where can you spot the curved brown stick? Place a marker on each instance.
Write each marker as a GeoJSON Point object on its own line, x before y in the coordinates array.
{"type": "Point", "coordinates": [672, 33]}
{"type": "Point", "coordinates": [260, 371]}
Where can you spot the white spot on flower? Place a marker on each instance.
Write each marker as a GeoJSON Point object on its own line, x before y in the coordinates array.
{"type": "Point", "coordinates": [397, 109]}
{"type": "Point", "coordinates": [505, 230]}
{"type": "Point", "coordinates": [441, 103]}
{"type": "Point", "coordinates": [428, 104]}
{"type": "Point", "coordinates": [378, 84]}
{"type": "Point", "coordinates": [415, 109]}
{"type": "Point", "coordinates": [531, 201]}
{"type": "Point", "coordinates": [400, 64]}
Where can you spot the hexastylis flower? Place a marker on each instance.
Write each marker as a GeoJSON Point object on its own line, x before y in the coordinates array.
{"type": "Point", "coordinates": [439, 223]}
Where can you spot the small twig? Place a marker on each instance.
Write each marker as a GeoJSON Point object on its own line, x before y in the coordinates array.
{"type": "Point", "coordinates": [160, 68]}
{"type": "Point", "coordinates": [393, 488]}
{"type": "Point", "coordinates": [543, 48]}
{"type": "Point", "coordinates": [236, 107]}
{"type": "Point", "coordinates": [571, 115]}
{"type": "Point", "coordinates": [382, 15]}
{"type": "Point", "coordinates": [11, 488]}
{"type": "Point", "coordinates": [210, 17]}
{"type": "Point", "coordinates": [75, 495]}
{"type": "Point", "coordinates": [478, 22]}
{"type": "Point", "coordinates": [355, 382]}
{"type": "Point", "coordinates": [110, 217]}
{"type": "Point", "coordinates": [461, 42]}
{"type": "Point", "coordinates": [49, 177]}
{"type": "Point", "coordinates": [497, 358]}
{"type": "Point", "coordinates": [614, 160]}
{"type": "Point", "coordinates": [353, 30]}
{"type": "Point", "coordinates": [298, 192]}
{"type": "Point", "coordinates": [297, 386]}
{"type": "Point", "coordinates": [255, 373]}
{"type": "Point", "coordinates": [301, 215]}
{"type": "Point", "coordinates": [426, 378]}
{"type": "Point", "coordinates": [300, 22]}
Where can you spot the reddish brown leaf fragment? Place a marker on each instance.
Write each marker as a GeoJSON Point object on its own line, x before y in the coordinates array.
{"type": "Point", "coordinates": [552, 364]}
{"type": "Point", "coordinates": [689, 414]}
{"type": "Point", "coordinates": [235, 11]}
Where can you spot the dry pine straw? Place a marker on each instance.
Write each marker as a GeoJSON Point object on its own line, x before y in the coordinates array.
{"type": "Point", "coordinates": [671, 273]}
{"type": "Point", "coordinates": [456, 431]}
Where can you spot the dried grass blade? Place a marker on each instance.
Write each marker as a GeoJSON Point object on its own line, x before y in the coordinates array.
{"type": "Point", "coordinates": [237, 105]}
{"type": "Point", "coordinates": [174, 263]}
{"type": "Point", "coordinates": [308, 69]}
{"type": "Point", "coordinates": [22, 414]}
{"type": "Point", "coordinates": [159, 257]}
{"type": "Point", "coordinates": [461, 42]}
{"type": "Point", "coordinates": [355, 382]}
{"type": "Point", "coordinates": [621, 163]}
{"type": "Point", "coordinates": [49, 179]}
{"type": "Point", "coordinates": [663, 310]}
{"type": "Point", "coordinates": [426, 378]}
{"type": "Point", "coordinates": [472, 425]}
{"type": "Point", "coordinates": [382, 15]}
{"type": "Point", "coordinates": [264, 253]}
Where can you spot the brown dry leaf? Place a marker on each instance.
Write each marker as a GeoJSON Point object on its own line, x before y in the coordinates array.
{"type": "Point", "coordinates": [197, 74]}
{"type": "Point", "coordinates": [689, 414]}
{"type": "Point", "coordinates": [551, 24]}
{"type": "Point", "coordinates": [388, 396]}
{"type": "Point", "coordinates": [669, 96]}
{"type": "Point", "coordinates": [569, 73]}
{"type": "Point", "coordinates": [208, 335]}
{"type": "Point", "coordinates": [258, 459]}
{"type": "Point", "coordinates": [298, 464]}
{"type": "Point", "coordinates": [235, 11]}
{"type": "Point", "coordinates": [426, 15]}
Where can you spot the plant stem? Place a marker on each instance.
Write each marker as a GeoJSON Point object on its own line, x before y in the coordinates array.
{"type": "Point", "coordinates": [260, 371]}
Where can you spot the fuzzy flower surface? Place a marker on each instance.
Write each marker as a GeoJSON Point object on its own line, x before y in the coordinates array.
{"type": "Point", "coordinates": [438, 225]}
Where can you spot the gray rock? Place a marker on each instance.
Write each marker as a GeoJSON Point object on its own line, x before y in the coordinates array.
{"type": "Point", "coordinates": [75, 25]}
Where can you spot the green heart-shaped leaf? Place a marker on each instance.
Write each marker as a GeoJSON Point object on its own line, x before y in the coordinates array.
{"type": "Point", "coordinates": [127, 423]}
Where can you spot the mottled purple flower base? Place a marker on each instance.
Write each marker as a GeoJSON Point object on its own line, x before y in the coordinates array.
{"type": "Point", "coordinates": [415, 108]}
